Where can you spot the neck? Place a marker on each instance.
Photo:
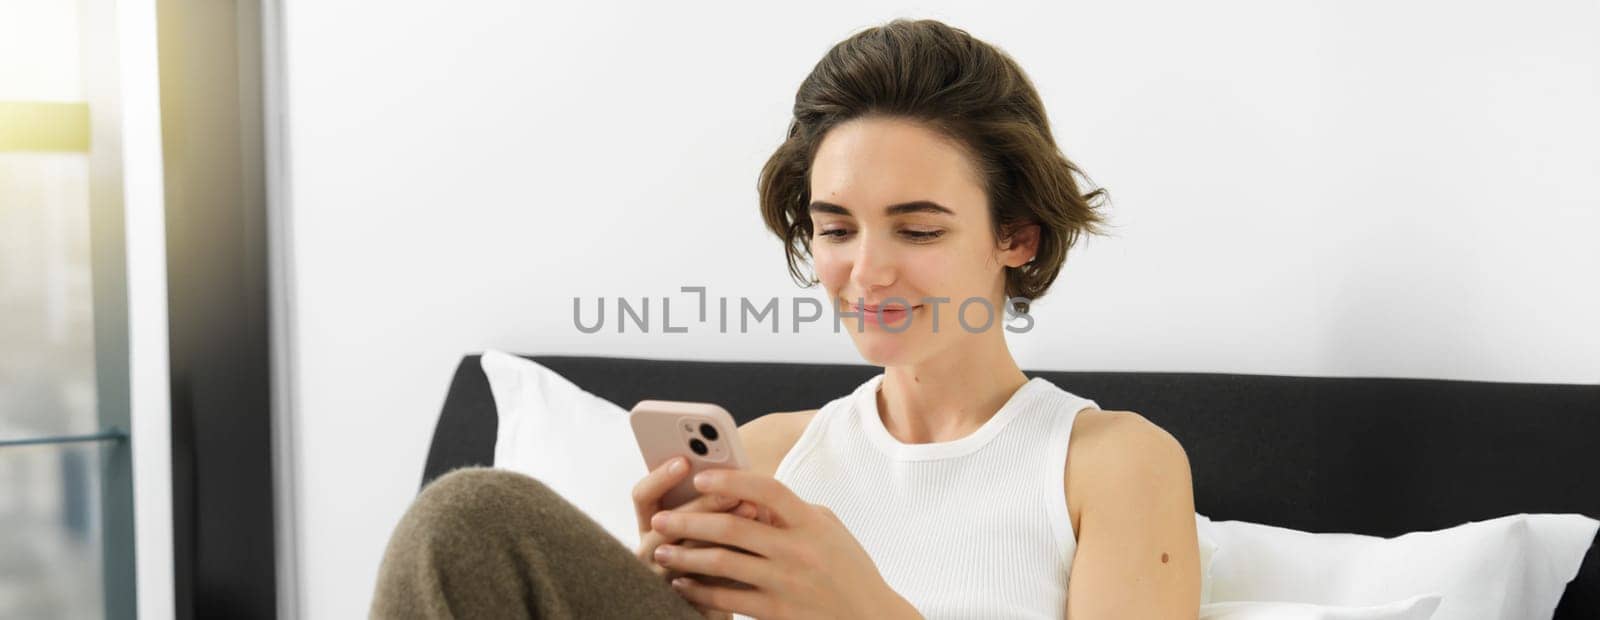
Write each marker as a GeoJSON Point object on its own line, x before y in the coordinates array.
{"type": "Point", "coordinates": [950, 395]}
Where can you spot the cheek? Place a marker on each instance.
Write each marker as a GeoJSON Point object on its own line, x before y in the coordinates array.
{"type": "Point", "coordinates": [944, 266]}
{"type": "Point", "coordinates": [951, 268]}
{"type": "Point", "coordinates": [832, 268]}
{"type": "Point", "coordinates": [937, 265]}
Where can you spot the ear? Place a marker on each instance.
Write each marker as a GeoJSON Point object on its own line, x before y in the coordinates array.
{"type": "Point", "coordinates": [1021, 246]}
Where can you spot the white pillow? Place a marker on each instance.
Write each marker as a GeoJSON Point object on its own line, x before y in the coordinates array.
{"type": "Point", "coordinates": [578, 444]}
{"type": "Point", "coordinates": [1419, 607]}
{"type": "Point", "coordinates": [1208, 554]}
{"type": "Point", "coordinates": [1515, 566]}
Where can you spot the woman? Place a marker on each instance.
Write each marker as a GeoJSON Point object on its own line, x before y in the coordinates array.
{"type": "Point", "coordinates": [921, 182]}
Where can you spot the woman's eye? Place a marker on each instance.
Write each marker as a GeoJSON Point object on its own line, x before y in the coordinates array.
{"type": "Point", "coordinates": [838, 234]}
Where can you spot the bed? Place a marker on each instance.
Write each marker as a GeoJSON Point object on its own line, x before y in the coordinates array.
{"type": "Point", "coordinates": [1373, 456]}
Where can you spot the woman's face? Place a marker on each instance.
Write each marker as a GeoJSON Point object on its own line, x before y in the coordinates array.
{"type": "Point", "coordinates": [898, 211]}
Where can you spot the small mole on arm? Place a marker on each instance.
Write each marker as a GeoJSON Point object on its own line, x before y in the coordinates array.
{"type": "Point", "coordinates": [1163, 558]}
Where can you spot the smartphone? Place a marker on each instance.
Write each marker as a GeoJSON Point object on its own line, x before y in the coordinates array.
{"type": "Point", "coordinates": [703, 432]}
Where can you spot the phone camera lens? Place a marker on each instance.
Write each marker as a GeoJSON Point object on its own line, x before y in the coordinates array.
{"type": "Point", "coordinates": [698, 446]}
{"type": "Point", "coordinates": [709, 431]}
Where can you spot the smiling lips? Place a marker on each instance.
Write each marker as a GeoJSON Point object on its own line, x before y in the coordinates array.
{"type": "Point", "coordinates": [881, 313]}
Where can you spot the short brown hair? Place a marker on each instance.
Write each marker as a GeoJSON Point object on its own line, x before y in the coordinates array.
{"type": "Point", "coordinates": [942, 78]}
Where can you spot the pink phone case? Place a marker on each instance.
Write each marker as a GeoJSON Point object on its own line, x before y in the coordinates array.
{"type": "Point", "coordinates": [666, 428]}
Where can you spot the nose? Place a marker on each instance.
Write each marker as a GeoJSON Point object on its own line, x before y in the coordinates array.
{"type": "Point", "coordinates": [874, 267]}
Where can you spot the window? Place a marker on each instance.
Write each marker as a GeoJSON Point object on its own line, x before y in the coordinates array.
{"type": "Point", "coordinates": [66, 543]}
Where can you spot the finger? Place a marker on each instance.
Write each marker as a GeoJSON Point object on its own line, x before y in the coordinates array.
{"type": "Point", "coordinates": [647, 549]}
{"type": "Point", "coordinates": [648, 491]}
{"type": "Point", "coordinates": [712, 580]}
{"type": "Point", "coordinates": [650, 539]}
{"type": "Point", "coordinates": [702, 503]}
{"type": "Point", "coordinates": [718, 562]}
{"type": "Point", "coordinates": [719, 528]}
{"type": "Point", "coordinates": [748, 602]}
{"type": "Point", "coordinates": [708, 502]}
{"type": "Point", "coordinates": [747, 510]}
{"type": "Point", "coordinates": [784, 505]}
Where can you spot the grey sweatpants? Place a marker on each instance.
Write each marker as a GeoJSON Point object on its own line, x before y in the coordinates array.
{"type": "Point", "coordinates": [492, 543]}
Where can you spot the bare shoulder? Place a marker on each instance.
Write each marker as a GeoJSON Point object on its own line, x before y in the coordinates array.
{"type": "Point", "coordinates": [1137, 547]}
{"type": "Point", "coordinates": [1107, 446]}
{"type": "Point", "coordinates": [1095, 427]}
{"type": "Point", "coordinates": [768, 438]}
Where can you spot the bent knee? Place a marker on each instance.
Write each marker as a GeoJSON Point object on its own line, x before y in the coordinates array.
{"type": "Point", "coordinates": [458, 520]}
{"type": "Point", "coordinates": [469, 512]}
{"type": "Point", "coordinates": [484, 486]}
{"type": "Point", "coordinates": [479, 497]}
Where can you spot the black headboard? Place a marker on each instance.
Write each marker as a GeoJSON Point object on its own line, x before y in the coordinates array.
{"type": "Point", "coordinates": [1369, 456]}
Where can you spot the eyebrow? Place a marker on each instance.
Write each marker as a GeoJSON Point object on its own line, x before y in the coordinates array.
{"type": "Point", "coordinates": [915, 206]}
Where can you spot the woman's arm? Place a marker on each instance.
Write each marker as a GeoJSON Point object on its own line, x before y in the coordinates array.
{"type": "Point", "coordinates": [768, 438]}
{"type": "Point", "coordinates": [1138, 554]}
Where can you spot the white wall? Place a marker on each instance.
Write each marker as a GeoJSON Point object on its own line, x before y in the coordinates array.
{"type": "Point", "coordinates": [1343, 189]}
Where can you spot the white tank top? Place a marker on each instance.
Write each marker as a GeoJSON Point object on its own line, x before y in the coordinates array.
{"type": "Point", "coordinates": [974, 527]}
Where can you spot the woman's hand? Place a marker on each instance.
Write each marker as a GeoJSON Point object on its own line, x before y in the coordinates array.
{"type": "Point", "coordinates": [647, 501]}
{"type": "Point", "coordinates": [802, 563]}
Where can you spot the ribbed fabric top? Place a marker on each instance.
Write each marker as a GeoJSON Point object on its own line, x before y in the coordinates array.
{"type": "Point", "coordinates": [973, 527]}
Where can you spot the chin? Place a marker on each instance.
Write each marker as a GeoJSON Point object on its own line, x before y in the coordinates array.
{"type": "Point", "coordinates": [885, 349]}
